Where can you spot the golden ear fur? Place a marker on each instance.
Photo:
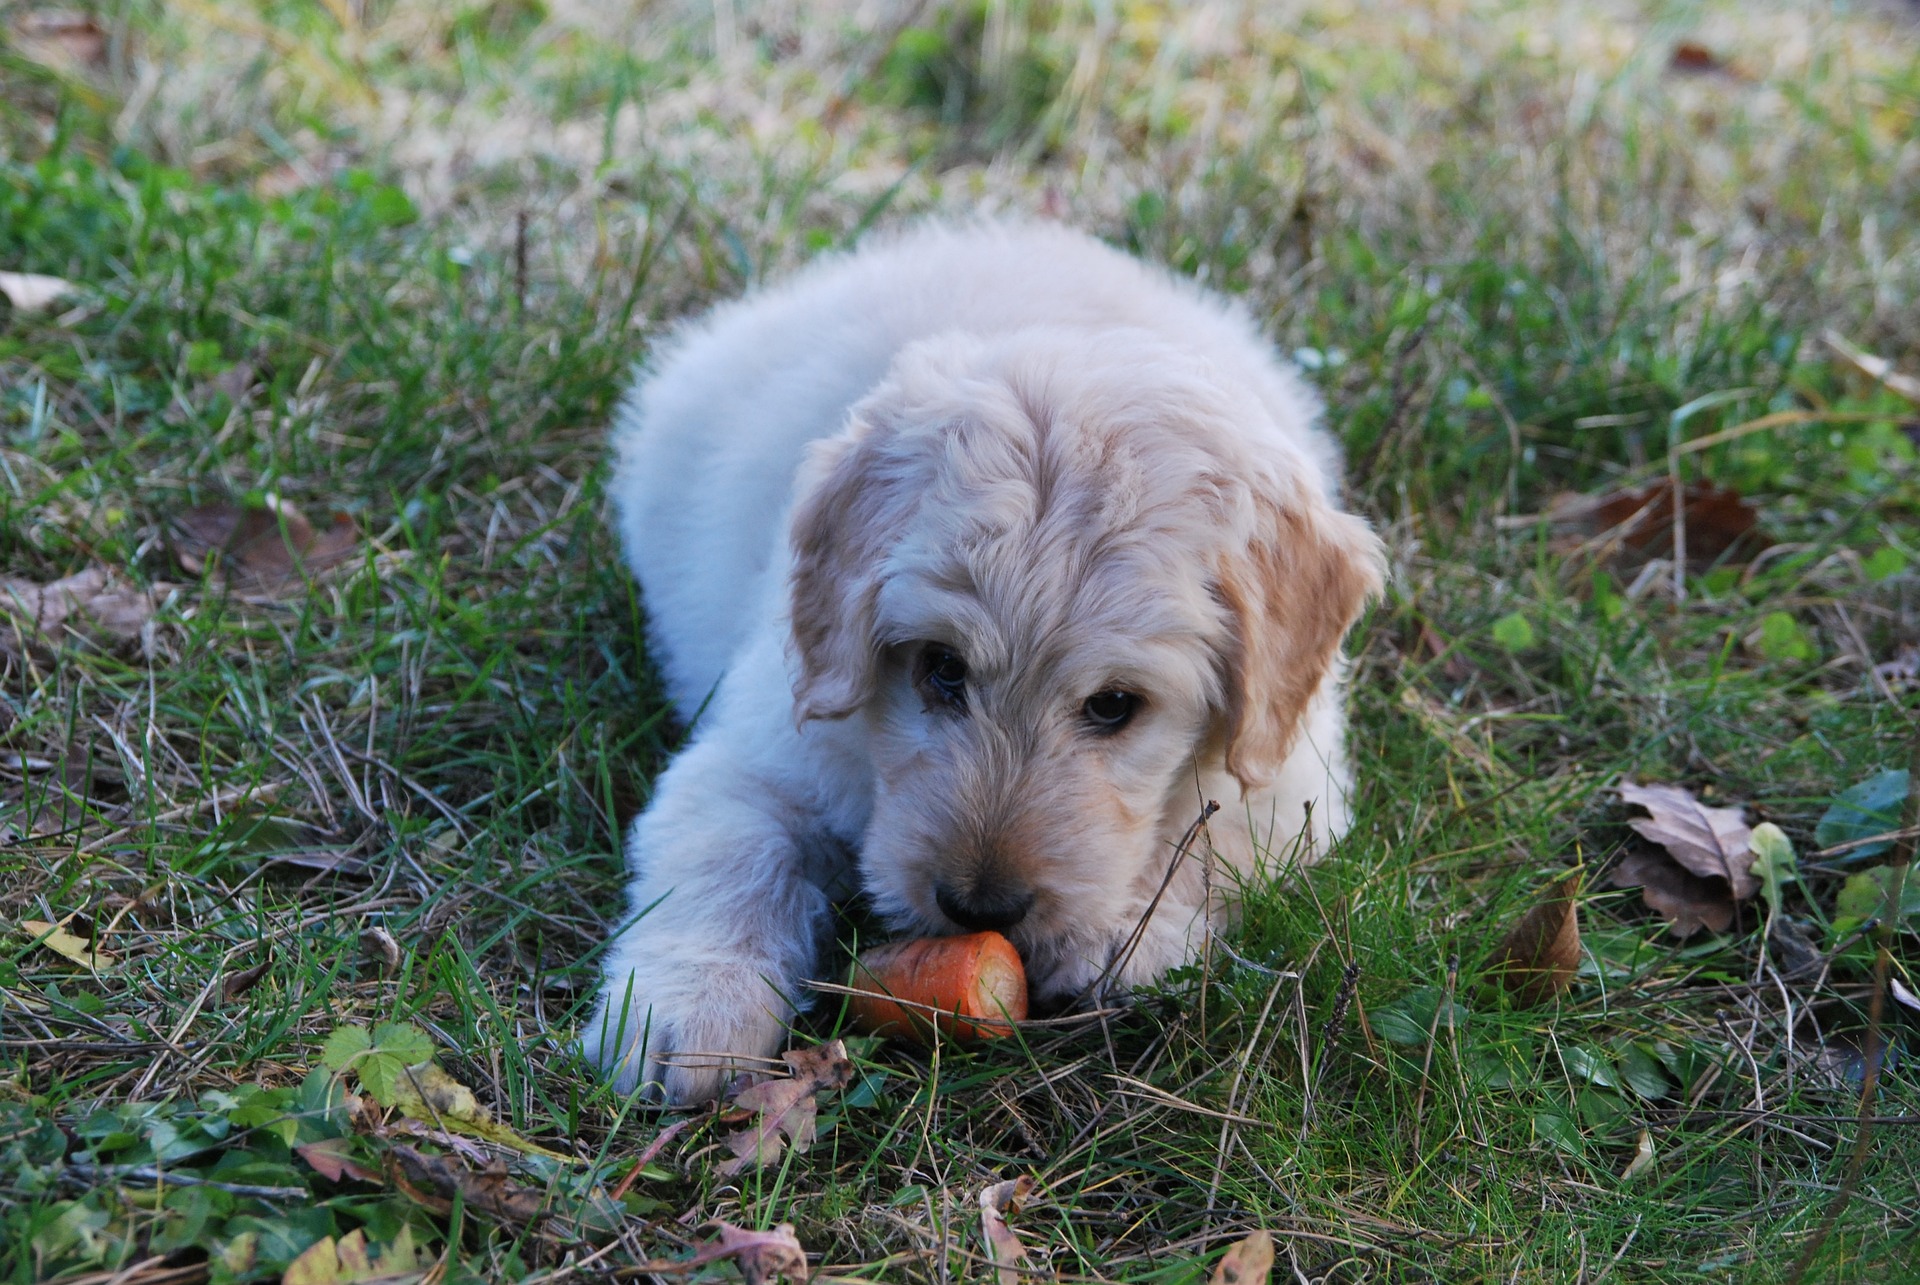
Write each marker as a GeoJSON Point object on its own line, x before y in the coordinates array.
{"type": "Point", "coordinates": [838, 539]}
{"type": "Point", "coordinates": [1293, 594]}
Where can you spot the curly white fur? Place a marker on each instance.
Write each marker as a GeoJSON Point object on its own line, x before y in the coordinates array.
{"type": "Point", "coordinates": [1005, 447]}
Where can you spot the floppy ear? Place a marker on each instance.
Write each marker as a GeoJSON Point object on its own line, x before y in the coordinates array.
{"type": "Point", "coordinates": [844, 520]}
{"type": "Point", "coordinates": [1293, 593]}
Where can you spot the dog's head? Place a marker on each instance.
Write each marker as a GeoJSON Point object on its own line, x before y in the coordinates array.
{"type": "Point", "coordinates": [1058, 579]}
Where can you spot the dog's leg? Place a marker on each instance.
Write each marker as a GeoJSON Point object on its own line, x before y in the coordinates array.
{"type": "Point", "coordinates": [724, 925]}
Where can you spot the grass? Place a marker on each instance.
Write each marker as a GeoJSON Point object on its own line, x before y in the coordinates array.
{"type": "Point", "coordinates": [394, 260]}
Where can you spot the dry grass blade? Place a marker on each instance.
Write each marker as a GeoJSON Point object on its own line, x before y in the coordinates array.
{"type": "Point", "coordinates": [1539, 956]}
{"type": "Point", "coordinates": [1874, 367]}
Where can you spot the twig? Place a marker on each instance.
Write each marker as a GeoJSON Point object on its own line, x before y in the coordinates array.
{"type": "Point", "coordinates": [161, 1178]}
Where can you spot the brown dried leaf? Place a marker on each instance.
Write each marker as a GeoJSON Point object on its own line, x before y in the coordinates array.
{"type": "Point", "coordinates": [1539, 956]}
{"type": "Point", "coordinates": [1634, 525]}
{"type": "Point", "coordinates": [1715, 843]}
{"type": "Point", "coordinates": [1247, 1262]}
{"type": "Point", "coordinates": [269, 549]}
{"type": "Point", "coordinates": [237, 984]}
{"type": "Point", "coordinates": [763, 1255]}
{"type": "Point", "coordinates": [786, 1108]}
{"type": "Point", "coordinates": [434, 1180]}
{"type": "Point", "coordinates": [1696, 59]}
{"type": "Point", "coordinates": [1003, 1247]}
{"type": "Point", "coordinates": [94, 604]}
{"type": "Point", "coordinates": [61, 39]}
{"type": "Point", "coordinates": [1686, 901]}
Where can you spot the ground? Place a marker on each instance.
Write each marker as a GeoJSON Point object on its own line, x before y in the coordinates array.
{"type": "Point", "coordinates": [359, 281]}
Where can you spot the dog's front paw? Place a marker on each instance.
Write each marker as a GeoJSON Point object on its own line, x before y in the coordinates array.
{"type": "Point", "coordinates": [683, 1043]}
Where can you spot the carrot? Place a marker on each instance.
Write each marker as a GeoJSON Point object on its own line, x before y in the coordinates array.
{"type": "Point", "coordinates": [977, 976]}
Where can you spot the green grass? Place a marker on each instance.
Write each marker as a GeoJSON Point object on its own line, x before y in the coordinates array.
{"type": "Point", "coordinates": [1516, 251]}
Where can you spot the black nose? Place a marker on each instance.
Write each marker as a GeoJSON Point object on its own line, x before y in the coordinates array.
{"type": "Point", "coordinates": [995, 908]}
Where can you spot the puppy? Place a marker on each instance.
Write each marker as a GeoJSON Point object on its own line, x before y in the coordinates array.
{"type": "Point", "coordinates": [978, 560]}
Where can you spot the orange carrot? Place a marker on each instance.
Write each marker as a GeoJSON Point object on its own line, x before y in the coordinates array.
{"type": "Point", "coordinates": [977, 976]}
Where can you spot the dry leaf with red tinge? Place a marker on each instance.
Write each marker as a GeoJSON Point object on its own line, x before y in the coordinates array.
{"type": "Point", "coordinates": [1003, 1247]}
{"type": "Point", "coordinates": [1247, 1262]}
{"type": "Point", "coordinates": [1637, 524]}
{"type": "Point", "coordinates": [786, 1108]}
{"type": "Point", "coordinates": [269, 549]}
{"type": "Point", "coordinates": [1538, 958]}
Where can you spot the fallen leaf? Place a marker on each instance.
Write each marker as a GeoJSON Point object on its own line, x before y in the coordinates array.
{"type": "Point", "coordinates": [1902, 995]}
{"type": "Point", "coordinates": [1540, 955]}
{"type": "Point", "coordinates": [1637, 524]}
{"type": "Point", "coordinates": [1642, 1157]}
{"type": "Point", "coordinates": [1246, 1262]}
{"type": "Point", "coordinates": [57, 939]}
{"type": "Point", "coordinates": [1714, 843]}
{"type": "Point", "coordinates": [786, 1108]}
{"type": "Point", "coordinates": [349, 1259]}
{"type": "Point", "coordinates": [763, 1255]}
{"type": "Point", "coordinates": [237, 984]}
{"type": "Point", "coordinates": [330, 1160]}
{"type": "Point", "coordinates": [433, 1181]}
{"type": "Point", "coordinates": [378, 945]}
{"type": "Point", "coordinates": [427, 1093]}
{"type": "Point", "coordinates": [56, 38]}
{"type": "Point", "coordinates": [1003, 1247]}
{"type": "Point", "coordinates": [93, 603]}
{"type": "Point", "coordinates": [1686, 901]}
{"type": "Point", "coordinates": [1878, 369]}
{"type": "Point", "coordinates": [267, 549]}
{"type": "Point", "coordinates": [33, 291]}
{"type": "Point", "coordinates": [1695, 58]}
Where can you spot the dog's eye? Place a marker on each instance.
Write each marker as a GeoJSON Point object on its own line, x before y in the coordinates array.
{"type": "Point", "coordinates": [944, 674]}
{"type": "Point", "coordinates": [1110, 711]}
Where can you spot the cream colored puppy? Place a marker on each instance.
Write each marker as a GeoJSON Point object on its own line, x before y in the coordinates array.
{"type": "Point", "coordinates": [978, 559]}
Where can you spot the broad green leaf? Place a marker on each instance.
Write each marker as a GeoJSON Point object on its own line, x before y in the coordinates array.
{"type": "Point", "coordinates": [1780, 637]}
{"type": "Point", "coordinates": [1642, 1072]}
{"type": "Point", "coordinates": [1513, 632]}
{"type": "Point", "coordinates": [1886, 563]}
{"type": "Point", "coordinates": [1560, 1131]}
{"type": "Point", "coordinates": [1869, 808]}
{"type": "Point", "coordinates": [1414, 1016]}
{"type": "Point", "coordinates": [344, 1045]}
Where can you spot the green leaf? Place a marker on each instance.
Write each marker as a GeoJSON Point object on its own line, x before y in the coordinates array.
{"type": "Point", "coordinates": [343, 1046]}
{"type": "Point", "coordinates": [1642, 1072]}
{"type": "Point", "coordinates": [403, 1040]}
{"type": "Point", "coordinates": [1866, 809]}
{"type": "Point", "coordinates": [1780, 638]}
{"type": "Point", "coordinates": [1589, 1064]}
{"type": "Point", "coordinates": [1886, 563]}
{"type": "Point", "coordinates": [1560, 1131]}
{"type": "Point", "coordinates": [1411, 1018]}
{"type": "Point", "coordinates": [1864, 897]}
{"type": "Point", "coordinates": [1513, 632]}
{"type": "Point", "coordinates": [1773, 861]}
{"type": "Point", "coordinates": [1608, 603]}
